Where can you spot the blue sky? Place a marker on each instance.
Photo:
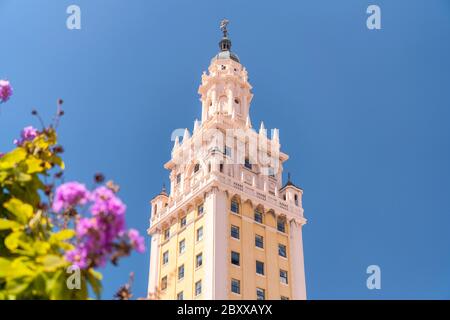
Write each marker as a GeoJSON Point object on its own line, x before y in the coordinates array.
{"type": "Point", "coordinates": [364, 116]}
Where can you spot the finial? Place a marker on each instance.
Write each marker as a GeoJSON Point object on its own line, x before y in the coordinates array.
{"type": "Point", "coordinates": [223, 26]}
{"type": "Point", "coordinates": [186, 135]}
{"type": "Point", "coordinates": [248, 123]}
{"type": "Point", "coordinates": [163, 189]}
{"type": "Point", "coordinates": [289, 177]}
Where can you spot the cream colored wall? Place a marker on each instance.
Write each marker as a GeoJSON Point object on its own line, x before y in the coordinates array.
{"type": "Point", "coordinates": [249, 253]}
{"type": "Point", "coordinates": [188, 258]}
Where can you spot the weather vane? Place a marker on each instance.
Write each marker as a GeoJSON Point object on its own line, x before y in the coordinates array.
{"type": "Point", "coordinates": [223, 26]}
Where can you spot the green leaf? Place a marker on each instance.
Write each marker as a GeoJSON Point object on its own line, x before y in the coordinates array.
{"type": "Point", "coordinates": [22, 211]}
{"type": "Point", "coordinates": [62, 235]}
{"type": "Point", "coordinates": [12, 240]}
{"type": "Point", "coordinates": [94, 278]}
{"type": "Point", "coordinates": [6, 224]}
{"type": "Point", "coordinates": [12, 158]}
{"type": "Point", "coordinates": [34, 165]}
{"type": "Point", "coordinates": [51, 262]}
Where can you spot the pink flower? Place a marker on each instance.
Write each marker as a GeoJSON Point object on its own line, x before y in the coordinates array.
{"type": "Point", "coordinates": [69, 195]}
{"type": "Point", "coordinates": [137, 241]}
{"type": "Point", "coordinates": [5, 91]}
{"type": "Point", "coordinates": [27, 134]}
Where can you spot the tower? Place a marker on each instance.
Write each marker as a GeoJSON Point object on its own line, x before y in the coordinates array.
{"type": "Point", "coordinates": [228, 228]}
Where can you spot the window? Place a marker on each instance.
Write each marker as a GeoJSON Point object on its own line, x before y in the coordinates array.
{"type": "Point", "coordinates": [198, 287]}
{"type": "Point", "coordinates": [259, 267]}
{"type": "Point", "coordinates": [259, 241]}
{"type": "Point", "coordinates": [200, 234]}
{"type": "Point", "coordinates": [167, 234]}
{"type": "Point", "coordinates": [182, 246]}
{"type": "Point", "coordinates": [284, 298]}
{"type": "Point", "coordinates": [181, 272]}
{"type": "Point", "coordinates": [180, 296]}
{"type": "Point", "coordinates": [165, 257]}
{"type": "Point", "coordinates": [164, 283]}
{"type": "Point", "coordinates": [271, 172]}
{"type": "Point", "coordinates": [296, 199]}
{"type": "Point", "coordinates": [234, 206]}
{"type": "Point", "coordinates": [221, 167]}
{"type": "Point", "coordinates": [247, 164]}
{"type": "Point", "coordinates": [183, 222]}
{"type": "Point", "coordinates": [235, 286]}
{"type": "Point", "coordinates": [235, 258]}
{"type": "Point", "coordinates": [235, 232]}
{"type": "Point", "coordinates": [281, 225]}
{"type": "Point", "coordinates": [283, 276]}
{"type": "Point", "coordinates": [258, 216]}
{"type": "Point", "coordinates": [196, 167]}
{"type": "Point", "coordinates": [223, 67]}
{"type": "Point", "coordinates": [178, 178]}
{"type": "Point", "coordinates": [227, 151]}
{"type": "Point", "coordinates": [260, 294]}
{"type": "Point", "coordinates": [200, 210]}
{"type": "Point", "coordinates": [199, 260]}
{"type": "Point", "coordinates": [282, 250]}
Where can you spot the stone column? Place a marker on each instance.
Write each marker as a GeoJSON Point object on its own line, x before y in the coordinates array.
{"type": "Point", "coordinates": [154, 266]}
{"type": "Point", "coordinates": [297, 276]}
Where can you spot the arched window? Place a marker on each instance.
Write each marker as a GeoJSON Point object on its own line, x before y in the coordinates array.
{"type": "Point", "coordinates": [234, 206]}
{"type": "Point", "coordinates": [281, 224]}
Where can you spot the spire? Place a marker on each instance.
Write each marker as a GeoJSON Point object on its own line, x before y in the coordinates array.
{"type": "Point", "coordinates": [275, 135]}
{"type": "Point", "coordinates": [186, 135]}
{"type": "Point", "coordinates": [177, 143]}
{"type": "Point", "coordinates": [248, 124]}
{"type": "Point", "coordinates": [225, 43]}
{"type": "Point", "coordinates": [262, 129]}
{"type": "Point", "coordinates": [196, 125]}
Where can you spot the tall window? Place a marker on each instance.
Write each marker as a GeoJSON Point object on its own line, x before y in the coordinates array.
{"type": "Point", "coordinates": [196, 167]}
{"type": "Point", "coordinates": [199, 260]}
{"type": "Point", "coordinates": [165, 257]}
{"type": "Point", "coordinates": [283, 276]}
{"type": "Point", "coordinates": [180, 296]}
{"type": "Point", "coordinates": [258, 216]}
{"type": "Point", "coordinates": [235, 232]}
{"type": "Point", "coordinates": [178, 178]}
{"type": "Point", "coordinates": [200, 234]}
{"type": "Point", "coordinates": [260, 294]}
{"type": "Point", "coordinates": [282, 250]}
{"type": "Point", "coordinates": [166, 233]}
{"type": "Point", "coordinates": [235, 286]}
{"type": "Point", "coordinates": [183, 222]}
{"type": "Point", "coordinates": [234, 206]}
{"type": "Point", "coordinates": [227, 151]}
{"type": "Point", "coordinates": [235, 258]}
{"type": "Point", "coordinates": [181, 272]}
{"type": "Point", "coordinates": [296, 199]}
{"type": "Point", "coordinates": [164, 283]}
{"type": "Point", "coordinates": [281, 225]}
{"type": "Point", "coordinates": [200, 210]}
{"type": "Point", "coordinates": [198, 287]}
{"type": "Point", "coordinates": [182, 246]}
{"type": "Point", "coordinates": [247, 164]}
{"type": "Point", "coordinates": [259, 241]}
{"type": "Point", "coordinates": [259, 267]}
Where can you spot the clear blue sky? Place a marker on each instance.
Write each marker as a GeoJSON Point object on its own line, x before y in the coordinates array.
{"type": "Point", "coordinates": [364, 116]}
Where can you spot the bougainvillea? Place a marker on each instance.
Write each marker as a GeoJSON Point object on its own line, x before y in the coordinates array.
{"type": "Point", "coordinates": [6, 91]}
{"type": "Point", "coordinates": [48, 228]}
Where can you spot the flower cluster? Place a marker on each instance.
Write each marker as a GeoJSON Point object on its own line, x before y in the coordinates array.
{"type": "Point", "coordinates": [5, 90]}
{"type": "Point", "coordinates": [102, 236]}
{"type": "Point", "coordinates": [27, 134]}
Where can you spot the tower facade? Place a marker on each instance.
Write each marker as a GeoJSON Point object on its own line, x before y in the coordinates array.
{"type": "Point", "coordinates": [228, 228]}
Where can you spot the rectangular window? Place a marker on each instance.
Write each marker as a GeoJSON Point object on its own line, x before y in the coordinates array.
{"type": "Point", "coordinates": [281, 225]}
{"type": "Point", "coordinates": [259, 267]}
{"type": "Point", "coordinates": [167, 234]}
{"type": "Point", "coordinates": [258, 216]}
{"type": "Point", "coordinates": [198, 287]}
{"type": "Point", "coordinates": [200, 234]}
{"type": "Point", "coordinates": [181, 272]}
{"type": "Point", "coordinates": [259, 241]}
{"type": "Point", "coordinates": [200, 210]}
{"type": "Point", "coordinates": [182, 246]}
{"type": "Point", "coordinates": [284, 298]}
{"type": "Point", "coordinates": [180, 296]}
{"type": "Point", "coordinates": [235, 258]}
{"type": "Point", "coordinates": [183, 222]}
{"type": "Point", "coordinates": [178, 178]}
{"type": "Point", "coordinates": [235, 286]}
{"type": "Point", "coordinates": [165, 258]}
{"type": "Point", "coordinates": [282, 250]}
{"type": "Point", "coordinates": [164, 283]}
{"type": "Point", "coordinates": [235, 232]}
{"type": "Point", "coordinates": [260, 294]}
{"type": "Point", "coordinates": [234, 206]}
{"type": "Point", "coordinates": [283, 276]}
{"type": "Point", "coordinates": [247, 164]}
{"type": "Point", "coordinates": [228, 151]}
{"type": "Point", "coordinates": [199, 260]}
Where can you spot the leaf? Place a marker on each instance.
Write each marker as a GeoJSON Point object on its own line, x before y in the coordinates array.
{"type": "Point", "coordinates": [51, 262]}
{"type": "Point", "coordinates": [12, 240]}
{"type": "Point", "coordinates": [22, 211]}
{"type": "Point", "coordinates": [6, 224]}
{"type": "Point", "coordinates": [94, 278]}
{"type": "Point", "coordinates": [5, 266]}
{"type": "Point", "coordinates": [34, 165]}
{"type": "Point", "coordinates": [12, 158]}
{"type": "Point", "coordinates": [62, 235]}
{"type": "Point", "coordinates": [41, 247]}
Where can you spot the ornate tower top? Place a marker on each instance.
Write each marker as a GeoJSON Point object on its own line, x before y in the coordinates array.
{"type": "Point", "coordinates": [225, 44]}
